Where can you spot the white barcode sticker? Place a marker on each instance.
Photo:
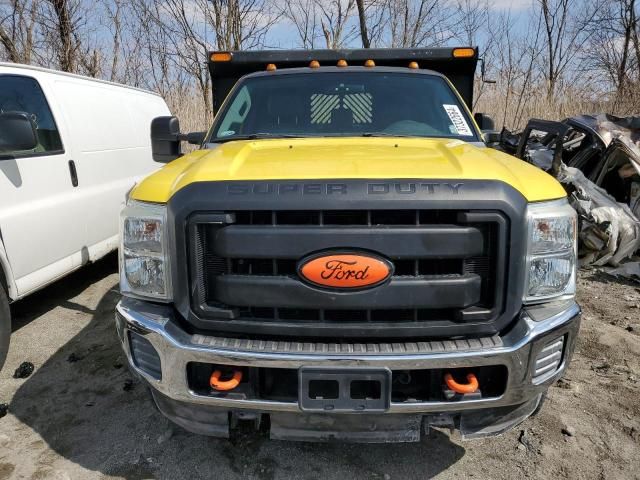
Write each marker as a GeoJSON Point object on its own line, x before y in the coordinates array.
{"type": "Point", "coordinates": [460, 124]}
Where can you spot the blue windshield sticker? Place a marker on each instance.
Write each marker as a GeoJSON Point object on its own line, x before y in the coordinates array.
{"type": "Point", "coordinates": [226, 133]}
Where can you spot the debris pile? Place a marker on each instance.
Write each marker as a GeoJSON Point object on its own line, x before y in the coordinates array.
{"type": "Point", "coordinates": [597, 159]}
{"type": "Point", "coordinates": [609, 231]}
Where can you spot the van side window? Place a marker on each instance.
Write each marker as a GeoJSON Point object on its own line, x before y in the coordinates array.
{"type": "Point", "coordinates": [23, 94]}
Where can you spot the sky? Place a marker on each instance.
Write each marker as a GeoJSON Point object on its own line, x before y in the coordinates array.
{"type": "Point", "coordinates": [282, 35]}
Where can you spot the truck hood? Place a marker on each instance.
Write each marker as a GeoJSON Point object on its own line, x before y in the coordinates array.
{"type": "Point", "coordinates": [347, 158]}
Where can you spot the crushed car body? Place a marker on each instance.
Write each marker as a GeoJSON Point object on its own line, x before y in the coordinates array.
{"type": "Point", "coordinates": [597, 159]}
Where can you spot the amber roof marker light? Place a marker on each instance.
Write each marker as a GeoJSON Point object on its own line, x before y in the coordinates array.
{"type": "Point", "coordinates": [342, 63]}
{"type": "Point", "coordinates": [414, 65]}
{"type": "Point", "coordinates": [271, 67]}
{"type": "Point", "coordinates": [369, 63]}
{"type": "Point", "coordinates": [314, 64]}
{"type": "Point", "coordinates": [464, 52]}
{"type": "Point", "coordinates": [221, 56]}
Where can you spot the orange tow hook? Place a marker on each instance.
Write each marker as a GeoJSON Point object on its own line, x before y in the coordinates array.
{"type": "Point", "coordinates": [226, 385]}
{"type": "Point", "coordinates": [462, 388]}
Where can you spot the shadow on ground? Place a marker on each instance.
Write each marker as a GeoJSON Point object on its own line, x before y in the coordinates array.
{"type": "Point", "coordinates": [602, 277]}
{"type": "Point", "coordinates": [60, 293]}
{"type": "Point", "coordinates": [83, 412]}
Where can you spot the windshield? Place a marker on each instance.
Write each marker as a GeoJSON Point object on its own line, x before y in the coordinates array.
{"type": "Point", "coordinates": [343, 104]}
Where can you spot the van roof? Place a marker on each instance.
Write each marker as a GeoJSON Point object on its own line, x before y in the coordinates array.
{"type": "Point", "coordinates": [73, 75]}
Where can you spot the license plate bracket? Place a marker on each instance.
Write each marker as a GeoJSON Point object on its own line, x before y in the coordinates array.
{"type": "Point", "coordinates": [344, 390]}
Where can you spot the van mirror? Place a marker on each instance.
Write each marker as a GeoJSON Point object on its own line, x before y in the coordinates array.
{"type": "Point", "coordinates": [484, 121]}
{"type": "Point", "coordinates": [17, 132]}
{"type": "Point", "coordinates": [165, 139]}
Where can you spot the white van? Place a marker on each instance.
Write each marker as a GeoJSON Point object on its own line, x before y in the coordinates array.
{"type": "Point", "coordinates": [70, 149]}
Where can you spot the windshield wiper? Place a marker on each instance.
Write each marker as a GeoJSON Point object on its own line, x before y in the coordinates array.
{"type": "Point", "coordinates": [253, 136]}
{"type": "Point", "coordinates": [384, 134]}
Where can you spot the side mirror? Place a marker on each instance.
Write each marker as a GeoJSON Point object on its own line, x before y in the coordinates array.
{"type": "Point", "coordinates": [166, 138]}
{"type": "Point", "coordinates": [485, 122]}
{"type": "Point", "coordinates": [17, 132]}
{"type": "Point", "coordinates": [194, 138]}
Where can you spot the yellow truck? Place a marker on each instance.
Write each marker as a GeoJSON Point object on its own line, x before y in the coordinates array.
{"type": "Point", "coordinates": [344, 257]}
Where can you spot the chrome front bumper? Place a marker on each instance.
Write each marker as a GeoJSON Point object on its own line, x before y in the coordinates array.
{"type": "Point", "coordinates": [516, 350]}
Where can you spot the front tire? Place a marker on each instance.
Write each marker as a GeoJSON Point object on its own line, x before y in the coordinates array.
{"type": "Point", "coordinates": [5, 326]}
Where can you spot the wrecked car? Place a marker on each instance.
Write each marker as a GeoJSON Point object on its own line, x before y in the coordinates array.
{"type": "Point", "coordinates": [597, 158]}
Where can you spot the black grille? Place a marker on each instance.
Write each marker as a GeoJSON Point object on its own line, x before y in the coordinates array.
{"type": "Point", "coordinates": [266, 246]}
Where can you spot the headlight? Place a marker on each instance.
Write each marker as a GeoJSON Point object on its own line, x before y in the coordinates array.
{"type": "Point", "coordinates": [144, 263]}
{"type": "Point", "coordinates": [551, 251]}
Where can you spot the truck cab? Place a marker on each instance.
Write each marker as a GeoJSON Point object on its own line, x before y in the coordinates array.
{"type": "Point", "coordinates": [344, 257]}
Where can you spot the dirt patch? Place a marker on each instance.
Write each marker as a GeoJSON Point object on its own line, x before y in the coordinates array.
{"type": "Point", "coordinates": [80, 415]}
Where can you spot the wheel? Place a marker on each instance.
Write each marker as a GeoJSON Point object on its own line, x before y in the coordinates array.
{"type": "Point", "coordinates": [5, 326]}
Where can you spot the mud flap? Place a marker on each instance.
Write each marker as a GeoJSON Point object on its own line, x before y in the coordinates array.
{"type": "Point", "coordinates": [361, 428]}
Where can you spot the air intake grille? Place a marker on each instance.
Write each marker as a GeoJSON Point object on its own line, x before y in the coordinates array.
{"type": "Point", "coordinates": [145, 356]}
{"type": "Point", "coordinates": [548, 360]}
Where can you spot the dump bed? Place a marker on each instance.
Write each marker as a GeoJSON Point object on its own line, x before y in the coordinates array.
{"type": "Point", "coordinates": [457, 64]}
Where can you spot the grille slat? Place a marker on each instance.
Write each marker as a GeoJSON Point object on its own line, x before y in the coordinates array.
{"type": "Point", "coordinates": [288, 267]}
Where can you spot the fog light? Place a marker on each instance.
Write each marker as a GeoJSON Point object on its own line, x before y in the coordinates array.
{"type": "Point", "coordinates": [548, 360]}
{"type": "Point", "coordinates": [145, 356]}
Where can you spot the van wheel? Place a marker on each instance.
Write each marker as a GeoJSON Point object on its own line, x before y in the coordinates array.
{"type": "Point", "coordinates": [5, 326]}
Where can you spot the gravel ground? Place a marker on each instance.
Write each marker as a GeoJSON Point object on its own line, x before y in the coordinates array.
{"type": "Point", "coordinates": [78, 416]}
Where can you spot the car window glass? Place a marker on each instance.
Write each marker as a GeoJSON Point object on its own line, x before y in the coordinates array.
{"type": "Point", "coordinates": [347, 103]}
{"type": "Point", "coordinates": [23, 94]}
{"type": "Point", "coordinates": [237, 112]}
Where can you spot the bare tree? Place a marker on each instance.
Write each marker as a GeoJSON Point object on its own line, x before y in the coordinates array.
{"type": "Point", "coordinates": [114, 12]}
{"type": "Point", "coordinates": [472, 20]}
{"type": "Point", "coordinates": [612, 49]}
{"type": "Point", "coordinates": [302, 14]}
{"type": "Point", "coordinates": [419, 23]}
{"type": "Point", "coordinates": [238, 24]}
{"type": "Point", "coordinates": [362, 18]}
{"type": "Point", "coordinates": [18, 30]}
{"type": "Point", "coordinates": [66, 46]}
{"type": "Point", "coordinates": [565, 31]}
{"type": "Point", "coordinates": [635, 34]}
{"type": "Point", "coordinates": [556, 56]}
{"type": "Point", "coordinates": [334, 21]}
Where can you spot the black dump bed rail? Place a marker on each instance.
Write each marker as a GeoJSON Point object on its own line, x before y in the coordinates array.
{"type": "Point", "coordinates": [227, 67]}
